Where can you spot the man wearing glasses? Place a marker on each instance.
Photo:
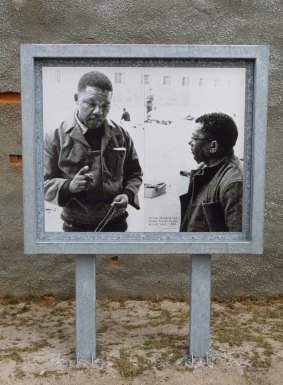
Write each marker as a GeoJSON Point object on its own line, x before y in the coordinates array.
{"type": "Point", "coordinates": [214, 199]}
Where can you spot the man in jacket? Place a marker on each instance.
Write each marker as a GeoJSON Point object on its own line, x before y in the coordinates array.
{"type": "Point", "coordinates": [90, 163]}
{"type": "Point", "coordinates": [214, 199]}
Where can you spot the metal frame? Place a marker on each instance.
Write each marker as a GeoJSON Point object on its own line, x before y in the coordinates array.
{"type": "Point", "coordinates": [86, 307]}
{"type": "Point", "coordinates": [199, 335]}
{"type": "Point", "coordinates": [38, 242]}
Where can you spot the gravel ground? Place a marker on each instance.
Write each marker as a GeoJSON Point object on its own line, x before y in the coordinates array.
{"type": "Point", "coordinates": [140, 342]}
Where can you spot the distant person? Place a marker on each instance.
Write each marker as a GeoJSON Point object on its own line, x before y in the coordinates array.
{"type": "Point", "coordinates": [125, 116]}
{"type": "Point", "coordinates": [214, 198]}
{"type": "Point", "coordinates": [149, 105]}
{"type": "Point", "coordinates": [91, 167]}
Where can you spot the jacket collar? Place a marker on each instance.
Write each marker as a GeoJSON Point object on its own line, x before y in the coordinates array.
{"type": "Point", "coordinates": [72, 126]}
{"type": "Point", "coordinates": [211, 170]}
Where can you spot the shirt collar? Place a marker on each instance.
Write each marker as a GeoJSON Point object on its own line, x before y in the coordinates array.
{"type": "Point", "coordinates": [203, 169]}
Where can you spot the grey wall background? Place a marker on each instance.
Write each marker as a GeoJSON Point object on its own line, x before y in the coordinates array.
{"type": "Point", "coordinates": [127, 21]}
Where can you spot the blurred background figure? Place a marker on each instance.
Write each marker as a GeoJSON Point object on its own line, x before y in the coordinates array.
{"type": "Point", "coordinates": [149, 104]}
{"type": "Point", "coordinates": [125, 116]}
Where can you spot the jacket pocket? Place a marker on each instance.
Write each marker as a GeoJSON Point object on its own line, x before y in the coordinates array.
{"type": "Point", "coordinates": [117, 159]}
{"type": "Point", "coordinates": [83, 213]}
{"type": "Point", "coordinates": [214, 215]}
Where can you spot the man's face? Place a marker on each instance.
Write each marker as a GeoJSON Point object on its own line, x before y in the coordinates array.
{"type": "Point", "coordinates": [93, 106]}
{"type": "Point", "coordinates": [200, 145]}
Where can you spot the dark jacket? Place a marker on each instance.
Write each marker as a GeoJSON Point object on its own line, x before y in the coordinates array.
{"type": "Point", "coordinates": [214, 199]}
{"type": "Point", "coordinates": [115, 168]}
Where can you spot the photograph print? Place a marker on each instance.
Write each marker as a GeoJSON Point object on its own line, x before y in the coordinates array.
{"type": "Point", "coordinates": [143, 148]}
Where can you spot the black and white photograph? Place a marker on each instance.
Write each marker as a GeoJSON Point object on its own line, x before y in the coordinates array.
{"type": "Point", "coordinates": [143, 149]}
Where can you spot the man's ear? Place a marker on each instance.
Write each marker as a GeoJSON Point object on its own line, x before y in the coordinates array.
{"type": "Point", "coordinates": [214, 146]}
{"type": "Point", "coordinates": [76, 97]}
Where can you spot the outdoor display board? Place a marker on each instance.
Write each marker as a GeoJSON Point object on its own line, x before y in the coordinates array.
{"type": "Point", "coordinates": [159, 92]}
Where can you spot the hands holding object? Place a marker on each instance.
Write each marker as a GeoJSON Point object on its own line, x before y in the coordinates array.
{"type": "Point", "coordinates": [81, 181]}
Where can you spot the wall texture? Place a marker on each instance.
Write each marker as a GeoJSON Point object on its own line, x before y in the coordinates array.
{"type": "Point", "coordinates": [128, 21]}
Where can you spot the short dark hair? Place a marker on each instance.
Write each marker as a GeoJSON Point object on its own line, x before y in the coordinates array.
{"type": "Point", "coordinates": [220, 127]}
{"type": "Point", "coordinates": [95, 79]}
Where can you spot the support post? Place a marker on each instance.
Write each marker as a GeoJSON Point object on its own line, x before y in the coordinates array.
{"type": "Point", "coordinates": [199, 335]}
{"type": "Point", "coordinates": [86, 307]}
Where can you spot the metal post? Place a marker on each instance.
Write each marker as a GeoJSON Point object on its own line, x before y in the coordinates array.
{"type": "Point", "coordinates": [86, 307]}
{"type": "Point", "coordinates": [200, 306]}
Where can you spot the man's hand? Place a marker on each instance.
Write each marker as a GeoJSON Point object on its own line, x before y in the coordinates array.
{"type": "Point", "coordinates": [120, 203]}
{"type": "Point", "coordinates": [81, 181]}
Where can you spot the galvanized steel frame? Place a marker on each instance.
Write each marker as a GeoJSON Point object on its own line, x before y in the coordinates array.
{"type": "Point", "coordinates": [250, 241]}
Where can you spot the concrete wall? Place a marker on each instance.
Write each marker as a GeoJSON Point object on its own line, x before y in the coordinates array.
{"type": "Point", "coordinates": [128, 21]}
